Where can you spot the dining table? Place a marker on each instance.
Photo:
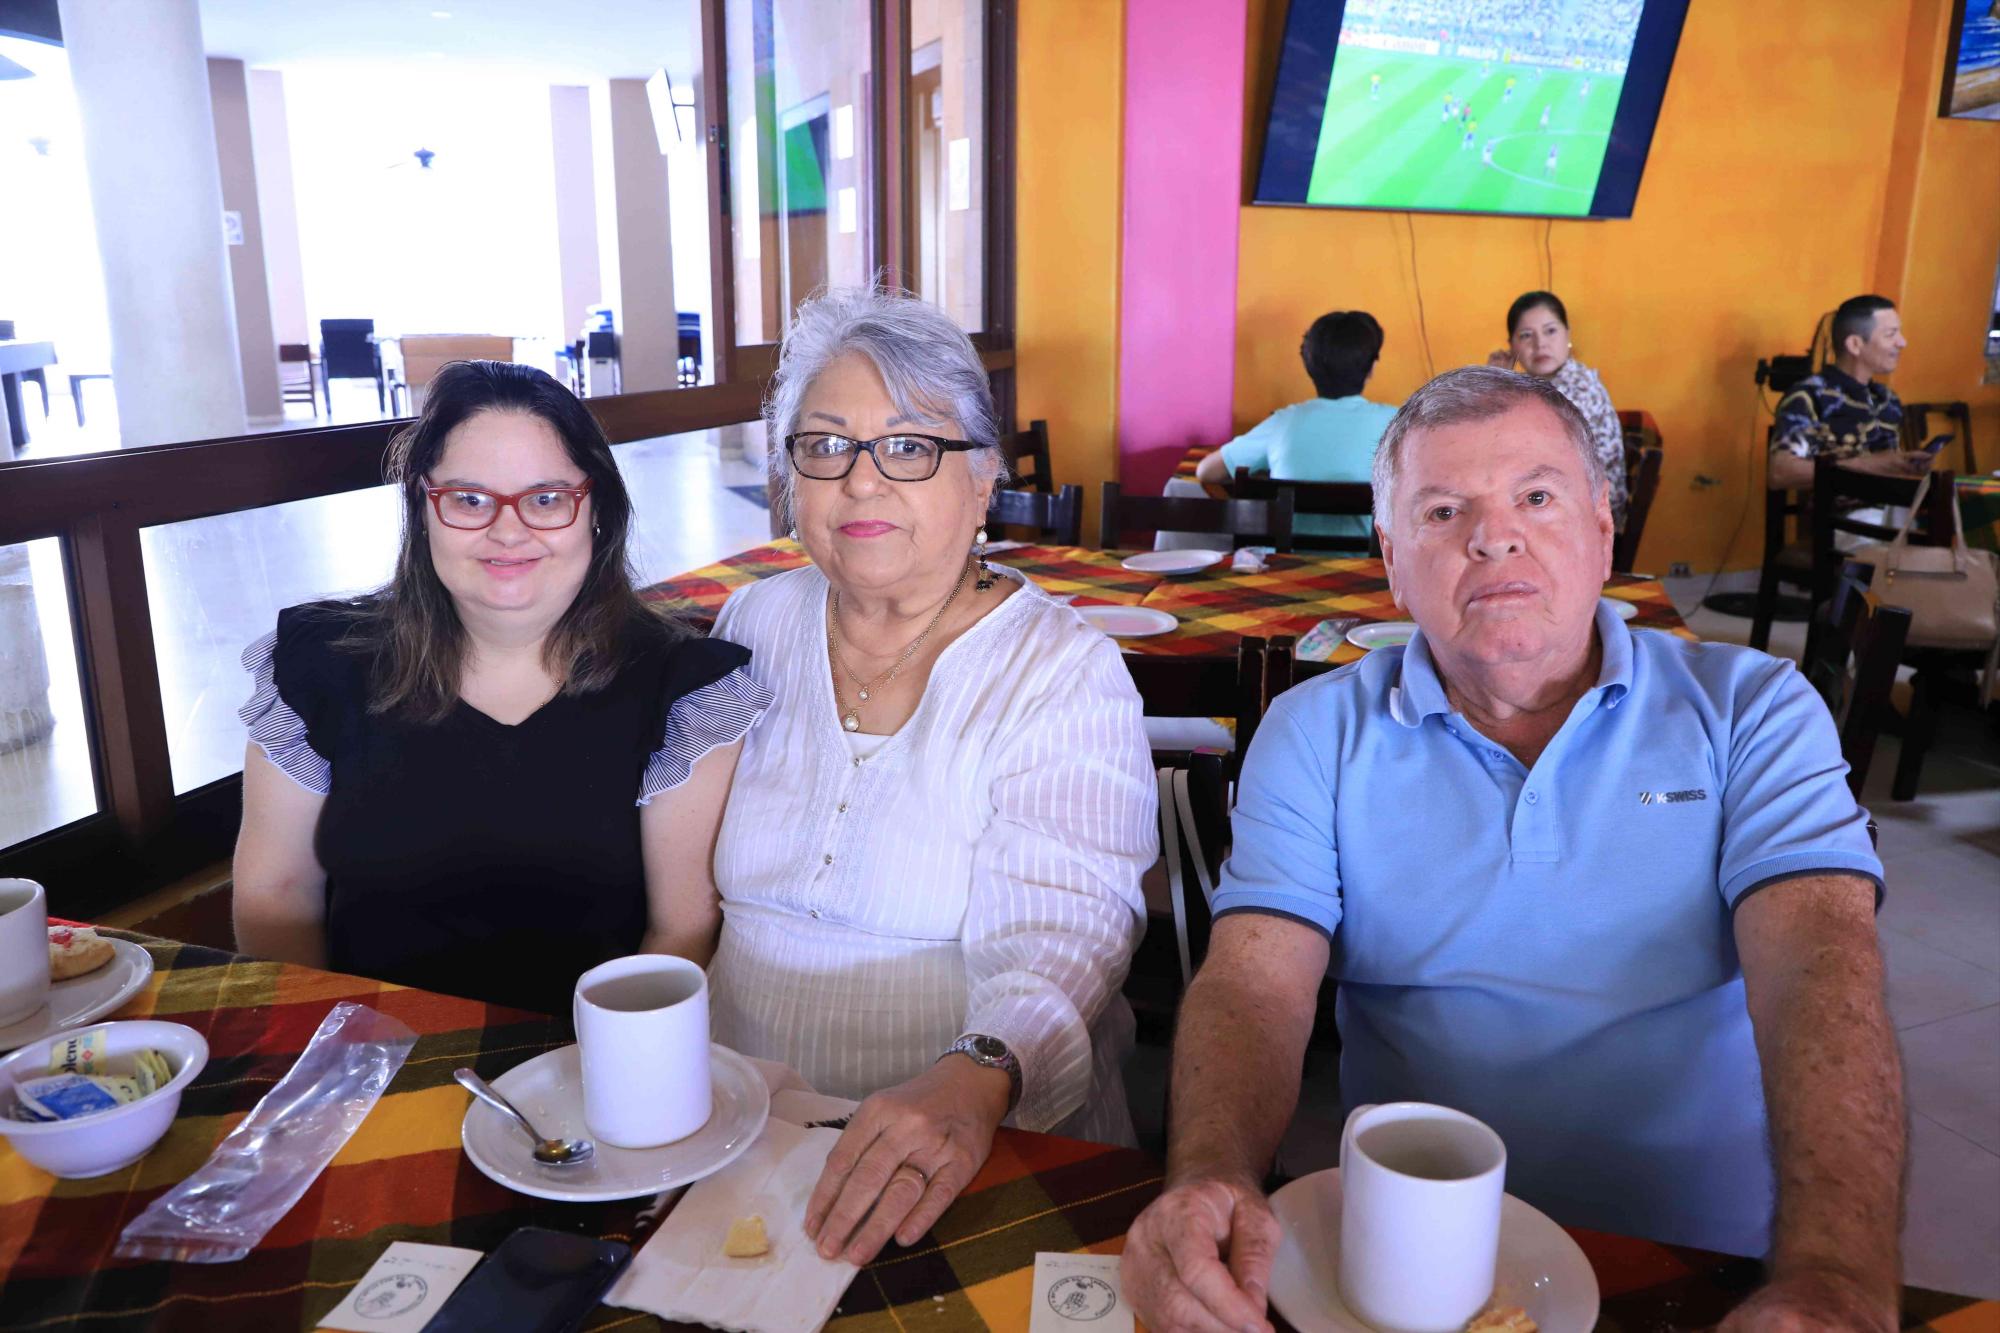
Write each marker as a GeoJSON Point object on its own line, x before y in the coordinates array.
{"type": "Point", "coordinates": [403, 1177]}
{"type": "Point", "coordinates": [1214, 608]}
{"type": "Point", "coordinates": [1979, 509]}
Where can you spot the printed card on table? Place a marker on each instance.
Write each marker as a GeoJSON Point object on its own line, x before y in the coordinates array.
{"type": "Point", "coordinates": [403, 1290]}
{"type": "Point", "coordinates": [1078, 1293]}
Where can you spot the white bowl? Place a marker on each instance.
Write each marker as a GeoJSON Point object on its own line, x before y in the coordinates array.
{"type": "Point", "coordinates": [96, 1145]}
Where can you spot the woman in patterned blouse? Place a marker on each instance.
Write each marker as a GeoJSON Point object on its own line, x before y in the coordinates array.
{"type": "Point", "coordinates": [1538, 338]}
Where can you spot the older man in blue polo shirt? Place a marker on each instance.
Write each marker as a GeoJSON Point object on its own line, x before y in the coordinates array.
{"type": "Point", "coordinates": [1605, 890]}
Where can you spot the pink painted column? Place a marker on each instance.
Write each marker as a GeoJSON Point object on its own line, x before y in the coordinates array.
{"type": "Point", "coordinates": [1183, 137]}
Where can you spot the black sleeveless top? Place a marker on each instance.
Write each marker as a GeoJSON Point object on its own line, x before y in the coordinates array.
{"type": "Point", "coordinates": [479, 859]}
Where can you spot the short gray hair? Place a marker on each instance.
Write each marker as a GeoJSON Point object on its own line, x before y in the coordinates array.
{"type": "Point", "coordinates": [930, 368]}
{"type": "Point", "coordinates": [1475, 393]}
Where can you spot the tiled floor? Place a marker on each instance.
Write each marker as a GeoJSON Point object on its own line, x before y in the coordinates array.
{"type": "Point", "coordinates": [1940, 933]}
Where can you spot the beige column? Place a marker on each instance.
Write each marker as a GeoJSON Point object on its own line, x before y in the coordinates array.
{"type": "Point", "coordinates": [576, 205]}
{"type": "Point", "coordinates": [141, 86]}
{"type": "Point", "coordinates": [634, 234]}
{"type": "Point", "coordinates": [278, 207]}
{"type": "Point", "coordinates": [229, 96]}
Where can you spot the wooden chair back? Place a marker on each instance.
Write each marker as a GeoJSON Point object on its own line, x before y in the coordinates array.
{"type": "Point", "coordinates": [1918, 429]}
{"type": "Point", "coordinates": [1346, 499]}
{"type": "Point", "coordinates": [1057, 519]}
{"type": "Point", "coordinates": [1246, 522]}
{"type": "Point", "coordinates": [1028, 458]}
{"type": "Point", "coordinates": [1642, 483]}
{"type": "Point", "coordinates": [1852, 663]}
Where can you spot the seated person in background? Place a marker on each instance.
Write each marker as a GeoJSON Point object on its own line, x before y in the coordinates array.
{"type": "Point", "coordinates": [1844, 411]}
{"type": "Point", "coordinates": [1538, 338]}
{"type": "Point", "coordinates": [476, 779]}
{"type": "Point", "coordinates": [1328, 438]}
{"type": "Point", "coordinates": [926, 887]}
{"type": "Point", "coordinates": [1449, 829]}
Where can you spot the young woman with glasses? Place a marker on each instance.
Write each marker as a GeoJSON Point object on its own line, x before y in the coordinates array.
{"type": "Point", "coordinates": [479, 779]}
{"type": "Point", "coordinates": [927, 880]}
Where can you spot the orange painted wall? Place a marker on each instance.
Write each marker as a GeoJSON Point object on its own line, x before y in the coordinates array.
{"type": "Point", "coordinates": [1762, 206]}
{"type": "Point", "coordinates": [1069, 100]}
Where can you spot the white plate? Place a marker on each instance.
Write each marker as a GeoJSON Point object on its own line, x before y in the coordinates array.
{"type": "Point", "coordinates": [1173, 562]}
{"type": "Point", "coordinates": [549, 1091]}
{"type": "Point", "coordinates": [87, 998]}
{"type": "Point", "coordinates": [1624, 610]}
{"type": "Point", "coordinates": [1540, 1268]}
{"type": "Point", "coordinates": [1382, 633]}
{"type": "Point", "coordinates": [1128, 622]}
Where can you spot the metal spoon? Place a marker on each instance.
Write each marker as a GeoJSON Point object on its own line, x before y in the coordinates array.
{"type": "Point", "coordinates": [549, 1152]}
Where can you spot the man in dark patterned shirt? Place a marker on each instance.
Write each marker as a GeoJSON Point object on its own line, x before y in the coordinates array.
{"type": "Point", "coordinates": [1844, 412]}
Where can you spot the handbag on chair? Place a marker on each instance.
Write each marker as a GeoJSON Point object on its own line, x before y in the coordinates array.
{"type": "Point", "coordinates": [1951, 592]}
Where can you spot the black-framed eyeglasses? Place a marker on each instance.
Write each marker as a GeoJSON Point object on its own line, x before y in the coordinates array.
{"type": "Point", "coordinates": [827, 457]}
{"type": "Point", "coordinates": [470, 508]}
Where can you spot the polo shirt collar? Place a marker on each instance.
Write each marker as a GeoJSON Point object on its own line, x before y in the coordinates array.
{"type": "Point", "coordinates": [1420, 692]}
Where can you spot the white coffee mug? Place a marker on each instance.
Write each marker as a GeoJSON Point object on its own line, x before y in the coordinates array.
{"type": "Point", "coordinates": [1420, 1193]}
{"type": "Point", "coordinates": [24, 949]}
{"type": "Point", "coordinates": [642, 1033]}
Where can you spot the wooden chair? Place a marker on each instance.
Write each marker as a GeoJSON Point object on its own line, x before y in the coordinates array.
{"type": "Point", "coordinates": [1787, 559]}
{"type": "Point", "coordinates": [1057, 519]}
{"type": "Point", "coordinates": [298, 385]}
{"type": "Point", "coordinates": [1194, 839]}
{"type": "Point", "coordinates": [1031, 446]}
{"type": "Point", "coordinates": [1244, 521]}
{"type": "Point", "coordinates": [1345, 499]}
{"type": "Point", "coordinates": [1205, 686]}
{"type": "Point", "coordinates": [1917, 429]}
{"type": "Point", "coordinates": [1642, 483]}
{"type": "Point", "coordinates": [1853, 665]}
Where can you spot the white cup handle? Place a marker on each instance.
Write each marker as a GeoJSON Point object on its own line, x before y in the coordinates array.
{"type": "Point", "coordinates": [1347, 1132]}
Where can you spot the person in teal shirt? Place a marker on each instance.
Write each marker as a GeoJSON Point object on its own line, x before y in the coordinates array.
{"type": "Point", "coordinates": [1328, 438]}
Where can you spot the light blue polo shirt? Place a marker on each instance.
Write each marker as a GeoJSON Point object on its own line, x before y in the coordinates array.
{"type": "Point", "coordinates": [1550, 950]}
{"type": "Point", "coordinates": [1321, 439]}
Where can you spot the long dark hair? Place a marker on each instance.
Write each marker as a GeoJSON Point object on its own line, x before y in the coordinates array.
{"type": "Point", "coordinates": [411, 627]}
{"type": "Point", "coordinates": [1527, 301]}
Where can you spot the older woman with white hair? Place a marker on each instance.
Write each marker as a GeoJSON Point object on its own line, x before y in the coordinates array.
{"type": "Point", "coordinates": [926, 888]}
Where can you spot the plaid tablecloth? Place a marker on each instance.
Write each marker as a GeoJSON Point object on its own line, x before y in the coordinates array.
{"type": "Point", "coordinates": [1979, 506]}
{"type": "Point", "coordinates": [1216, 607]}
{"type": "Point", "coordinates": [403, 1177]}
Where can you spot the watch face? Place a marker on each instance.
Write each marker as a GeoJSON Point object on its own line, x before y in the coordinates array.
{"type": "Point", "coordinates": [989, 1048]}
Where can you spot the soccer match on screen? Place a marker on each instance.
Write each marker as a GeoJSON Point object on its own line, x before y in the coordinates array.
{"type": "Point", "coordinates": [1496, 106]}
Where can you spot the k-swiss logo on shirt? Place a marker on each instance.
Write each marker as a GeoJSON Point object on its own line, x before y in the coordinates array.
{"type": "Point", "coordinates": [1673, 797]}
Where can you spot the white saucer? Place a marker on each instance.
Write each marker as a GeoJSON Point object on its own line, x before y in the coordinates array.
{"type": "Point", "coordinates": [1624, 610]}
{"type": "Point", "coordinates": [1172, 562]}
{"type": "Point", "coordinates": [1382, 633]}
{"type": "Point", "coordinates": [1540, 1268]}
{"type": "Point", "coordinates": [1128, 622]}
{"type": "Point", "coordinates": [84, 999]}
{"type": "Point", "coordinates": [549, 1091]}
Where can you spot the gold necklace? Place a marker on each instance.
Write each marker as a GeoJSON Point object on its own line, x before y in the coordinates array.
{"type": "Point", "coordinates": [851, 717]}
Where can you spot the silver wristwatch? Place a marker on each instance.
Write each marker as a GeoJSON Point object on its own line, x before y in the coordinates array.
{"type": "Point", "coordinates": [993, 1054]}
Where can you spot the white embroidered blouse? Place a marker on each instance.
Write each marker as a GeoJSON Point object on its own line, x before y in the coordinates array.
{"type": "Point", "coordinates": [977, 872]}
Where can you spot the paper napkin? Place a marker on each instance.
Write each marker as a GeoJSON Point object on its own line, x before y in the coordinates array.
{"type": "Point", "coordinates": [1078, 1292]}
{"type": "Point", "coordinates": [404, 1288]}
{"type": "Point", "coordinates": [682, 1274]}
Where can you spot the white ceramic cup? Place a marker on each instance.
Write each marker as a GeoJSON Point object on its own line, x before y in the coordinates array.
{"type": "Point", "coordinates": [642, 1035]}
{"type": "Point", "coordinates": [24, 949]}
{"type": "Point", "coordinates": [1420, 1193]}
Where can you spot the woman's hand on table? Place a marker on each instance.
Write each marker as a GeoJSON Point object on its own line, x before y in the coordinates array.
{"type": "Point", "coordinates": [1198, 1260]}
{"type": "Point", "coordinates": [904, 1156]}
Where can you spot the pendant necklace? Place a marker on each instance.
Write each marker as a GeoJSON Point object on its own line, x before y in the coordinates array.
{"type": "Point", "coordinates": [851, 715]}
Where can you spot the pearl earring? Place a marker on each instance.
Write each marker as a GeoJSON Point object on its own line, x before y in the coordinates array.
{"type": "Point", "coordinates": [986, 577]}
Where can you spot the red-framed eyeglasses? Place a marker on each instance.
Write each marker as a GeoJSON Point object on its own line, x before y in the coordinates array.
{"type": "Point", "coordinates": [544, 509]}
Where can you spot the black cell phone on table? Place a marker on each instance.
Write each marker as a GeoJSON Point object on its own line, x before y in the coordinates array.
{"type": "Point", "coordinates": [537, 1281]}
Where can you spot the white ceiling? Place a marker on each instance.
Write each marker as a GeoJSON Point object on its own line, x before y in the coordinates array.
{"type": "Point", "coordinates": [562, 43]}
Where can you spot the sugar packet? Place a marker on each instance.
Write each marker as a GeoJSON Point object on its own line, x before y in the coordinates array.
{"type": "Point", "coordinates": [67, 1096]}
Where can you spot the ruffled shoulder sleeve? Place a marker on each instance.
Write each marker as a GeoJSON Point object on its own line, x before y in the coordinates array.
{"type": "Point", "coordinates": [713, 701]}
{"type": "Point", "coordinates": [294, 696]}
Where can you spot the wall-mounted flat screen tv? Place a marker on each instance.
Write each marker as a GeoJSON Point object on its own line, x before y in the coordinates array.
{"type": "Point", "coordinates": [1543, 108]}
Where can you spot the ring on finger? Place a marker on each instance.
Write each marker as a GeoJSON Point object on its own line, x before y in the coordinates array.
{"type": "Point", "coordinates": [921, 1174]}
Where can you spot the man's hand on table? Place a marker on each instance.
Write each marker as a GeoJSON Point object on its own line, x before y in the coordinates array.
{"type": "Point", "coordinates": [904, 1156]}
{"type": "Point", "coordinates": [1198, 1260]}
{"type": "Point", "coordinates": [1815, 1300]}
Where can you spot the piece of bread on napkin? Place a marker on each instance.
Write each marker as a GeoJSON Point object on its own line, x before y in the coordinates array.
{"type": "Point", "coordinates": [683, 1274]}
